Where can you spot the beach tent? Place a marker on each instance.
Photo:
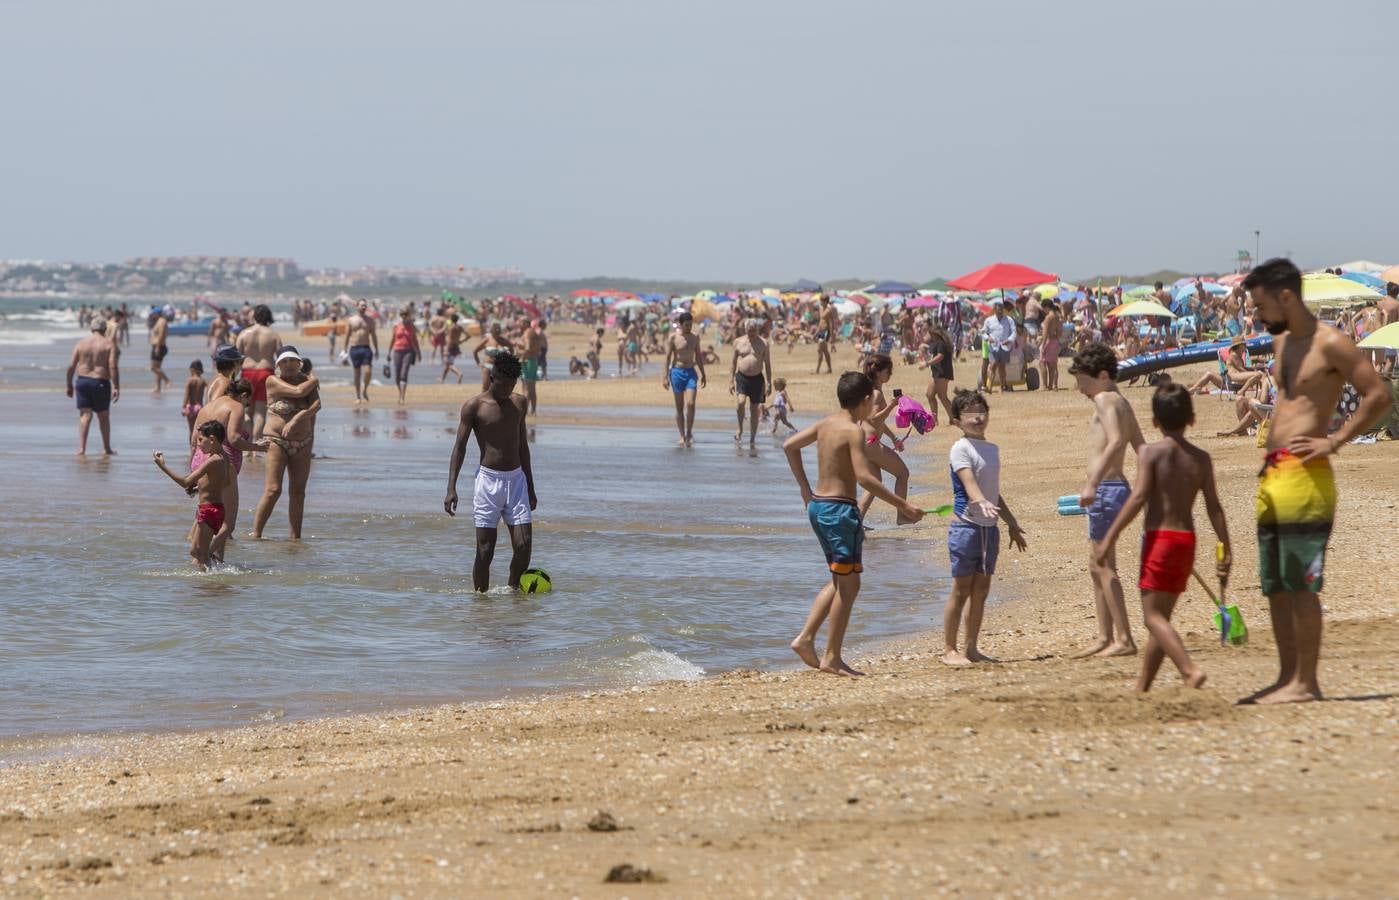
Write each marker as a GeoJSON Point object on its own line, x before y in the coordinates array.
{"type": "Point", "coordinates": [893, 287]}
{"type": "Point", "coordinates": [1322, 290]}
{"type": "Point", "coordinates": [999, 276]}
{"type": "Point", "coordinates": [802, 286]}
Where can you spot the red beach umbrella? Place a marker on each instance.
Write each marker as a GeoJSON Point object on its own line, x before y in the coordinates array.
{"type": "Point", "coordinates": [999, 276]}
{"type": "Point", "coordinates": [584, 292]}
{"type": "Point", "coordinates": [525, 306]}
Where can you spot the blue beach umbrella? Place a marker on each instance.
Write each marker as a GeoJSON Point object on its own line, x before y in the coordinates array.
{"type": "Point", "coordinates": [892, 287]}
{"type": "Point", "coordinates": [1186, 291]}
{"type": "Point", "coordinates": [1366, 279]}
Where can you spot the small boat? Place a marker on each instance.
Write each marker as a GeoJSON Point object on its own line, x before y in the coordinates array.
{"type": "Point", "coordinates": [1146, 363]}
{"type": "Point", "coordinates": [321, 328]}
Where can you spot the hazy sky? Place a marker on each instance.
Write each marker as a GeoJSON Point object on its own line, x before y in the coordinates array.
{"type": "Point", "coordinates": [703, 139]}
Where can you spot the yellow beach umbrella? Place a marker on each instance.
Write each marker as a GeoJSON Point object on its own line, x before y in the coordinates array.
{"type": "Point", "coordinates": [1387, 337]}
{"type": "Point", "coordinates": [1322, 289]}
{"type": "Point", "coordinates": [1142, 308]}
{"type": "Point", "coordinates": [1046, 291]}
{"type": "Point", "coordinates": [704, 309]}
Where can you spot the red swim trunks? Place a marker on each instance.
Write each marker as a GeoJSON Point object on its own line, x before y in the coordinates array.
{"type": "Point", "coordinates": [210, 514]}
{"type": "Point", "coordinates": [1167, 559]}
{"type": "Point", "coordinates": [258, 379]}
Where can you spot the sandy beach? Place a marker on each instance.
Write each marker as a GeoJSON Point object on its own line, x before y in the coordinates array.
{"type": "Point", "coordinates": [1035, 776]}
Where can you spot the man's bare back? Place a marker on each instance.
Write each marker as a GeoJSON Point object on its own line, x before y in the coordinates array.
{"type": "Point", "coordinates": [259, 344]}
{"type": "Point", "coordinates": [95, 356]}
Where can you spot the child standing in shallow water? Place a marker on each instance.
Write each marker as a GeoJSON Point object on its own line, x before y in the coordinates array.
{"type": "Point", "coordinates": [973, 538]}
{"type": "Point", "coordinates": [209, 479]}
{"type": "Point", "coordinates": [194, 395]}
{"type": "Point", "coordinates": [781, 405]}
{"type": "Point", "coordinates": [1170, 473]}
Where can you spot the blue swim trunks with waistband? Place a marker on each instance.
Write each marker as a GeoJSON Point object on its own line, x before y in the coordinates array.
{"type": "Point", "coordinates": [1111, 496]}
{"type": "Point", "coordinates": [836, 521]}
{"type": "Point", "coordinates": [682, 380]}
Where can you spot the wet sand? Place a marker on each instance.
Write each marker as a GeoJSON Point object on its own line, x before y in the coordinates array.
{"type": "Point", "coordinates": [1037, 776]}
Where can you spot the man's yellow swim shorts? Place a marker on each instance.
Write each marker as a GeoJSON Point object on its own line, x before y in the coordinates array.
{"type": "Point", "coordinates": [1296, 506]}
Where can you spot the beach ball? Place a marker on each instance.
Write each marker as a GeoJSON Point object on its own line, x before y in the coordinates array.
{"type": "Point", "coordinates": [535, 581]}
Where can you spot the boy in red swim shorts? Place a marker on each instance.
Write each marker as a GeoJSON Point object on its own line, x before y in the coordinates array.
{"type": "Point", "coordinates": [1170, 473]}
{"type": "Point", "coordinates": [209, 480]}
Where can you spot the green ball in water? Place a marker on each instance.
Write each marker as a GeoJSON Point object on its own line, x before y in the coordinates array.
{"type": "Point", "coordinates": [535, 581]}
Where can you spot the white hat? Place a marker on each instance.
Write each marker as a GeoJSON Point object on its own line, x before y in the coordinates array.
{"type": "Point", "coordinates": [288, 354]}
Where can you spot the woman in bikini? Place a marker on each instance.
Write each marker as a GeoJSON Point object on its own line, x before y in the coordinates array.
{"type": "Point", "coordinates": [880, 369]}
{"type": "Point", "coordinates": [230, 408]}
{"type": "Point", "coordinates": [293, 399]}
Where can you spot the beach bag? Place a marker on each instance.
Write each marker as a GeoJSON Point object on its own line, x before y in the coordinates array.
{"type": "Point", "coordinates": [1032, 379]}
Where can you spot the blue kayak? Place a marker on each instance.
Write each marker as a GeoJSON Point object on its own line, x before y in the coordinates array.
{"type": "Point", "coordinates": [199, 327]}
{"type": "Point", "coordinates": [1146, 363]}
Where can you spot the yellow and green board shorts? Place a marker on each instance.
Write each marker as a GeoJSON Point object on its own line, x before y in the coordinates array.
{"type": "Point", "coordinates": [1296, 506]}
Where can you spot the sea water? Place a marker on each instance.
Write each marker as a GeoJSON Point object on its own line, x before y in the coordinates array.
{"type": "Point", "coordinates": [667, 564]}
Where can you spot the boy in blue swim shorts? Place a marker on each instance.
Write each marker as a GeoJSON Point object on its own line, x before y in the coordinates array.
{"type": "Point", "coordinates": [1112, 429]}
{"type": "Point", "coordinates": [973, 536]}
{"type": "Point", "coordinates": [831, 509]}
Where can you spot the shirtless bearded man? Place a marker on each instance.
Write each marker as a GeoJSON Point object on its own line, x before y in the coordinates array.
{"type": "Point", "coordinates": [1296, 490]}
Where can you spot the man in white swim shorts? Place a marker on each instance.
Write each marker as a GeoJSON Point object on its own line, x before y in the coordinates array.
{"type": "Point", "coordinates": [504, 483]}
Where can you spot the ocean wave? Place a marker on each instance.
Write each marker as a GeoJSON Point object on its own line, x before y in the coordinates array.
{"type": "Point", "coordinates": [659, 665]}
{"type": "Point", "coordinates": [44, 315]}
{"type": "Point", "coordinates": [36, 338]}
